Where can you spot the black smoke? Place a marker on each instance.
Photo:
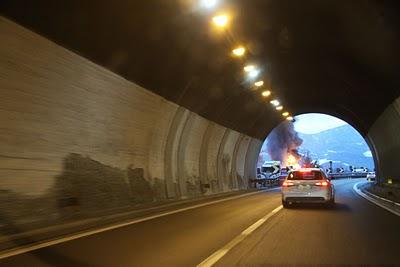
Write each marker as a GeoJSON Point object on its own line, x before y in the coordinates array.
{"type": "Point", "coordinates": [282, 142]}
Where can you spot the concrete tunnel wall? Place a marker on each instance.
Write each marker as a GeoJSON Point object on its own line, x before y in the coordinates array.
{"type": "Point", "coordinates": [75, 134]}
{"type": "Point", "coordinates": [385, 138]}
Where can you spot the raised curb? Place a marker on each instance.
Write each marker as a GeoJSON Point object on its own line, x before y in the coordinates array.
{"type": "Point", "coordinates": [384, 203]}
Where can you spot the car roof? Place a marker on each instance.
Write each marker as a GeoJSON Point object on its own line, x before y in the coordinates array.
{"type": "Point", "coordinates": [307, 169]}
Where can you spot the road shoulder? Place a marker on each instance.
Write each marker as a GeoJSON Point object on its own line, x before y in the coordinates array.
{"type": "Point", "coordinates": [31, 241]}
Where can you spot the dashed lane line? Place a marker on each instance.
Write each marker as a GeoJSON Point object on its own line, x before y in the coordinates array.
{"type": "Point", "coordinates": [216, 256]}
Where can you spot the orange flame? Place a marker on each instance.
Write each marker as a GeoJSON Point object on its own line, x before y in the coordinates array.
{"type": "Point", "coordinates": [292, 161]}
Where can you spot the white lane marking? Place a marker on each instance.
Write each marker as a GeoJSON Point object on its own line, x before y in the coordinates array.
{"type": "Point", "coordinates": [216, 256]}
{"type": "Point", "coordinates": [52, 242]}
{"type": "Point", "coordinates": [371, 199]}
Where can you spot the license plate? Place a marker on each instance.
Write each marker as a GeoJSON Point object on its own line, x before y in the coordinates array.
{"type": "Point", "coordinates": [304, 187]}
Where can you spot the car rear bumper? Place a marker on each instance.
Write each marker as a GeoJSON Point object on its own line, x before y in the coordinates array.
{"type": "Point", "coordinates": [322, 196]}
{"type": "Point", "coordinates": [307, 199]}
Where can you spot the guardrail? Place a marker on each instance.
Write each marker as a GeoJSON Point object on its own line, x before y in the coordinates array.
{"type": "Point", "coordinates": [265, 182]}
{"type": "Point", "coordinates": [347, 174]}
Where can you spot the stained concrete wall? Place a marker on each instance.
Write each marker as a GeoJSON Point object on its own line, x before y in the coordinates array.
{"type": "Point", "coordinates": [75, 134]}
{"type": "Point", "coordinates": [384, 137]}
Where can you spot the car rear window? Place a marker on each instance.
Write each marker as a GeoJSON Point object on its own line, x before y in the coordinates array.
{"type": "Point", "coordinates": [268, 169]}
{"type": "Point", "coordinates": [305, 175]}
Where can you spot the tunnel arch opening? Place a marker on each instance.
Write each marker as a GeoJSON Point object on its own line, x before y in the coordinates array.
{"type": "Point", "coordinates": [317, 140]}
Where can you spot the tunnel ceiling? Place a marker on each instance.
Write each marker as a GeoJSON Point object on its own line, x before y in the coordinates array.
{"type": "Point", "coordinates": [337, 57]}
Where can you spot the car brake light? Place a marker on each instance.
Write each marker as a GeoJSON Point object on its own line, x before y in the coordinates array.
{"type": "Point", "coordinates": [286, 184]}
{"type": "Point", "coordinates": [324, 183]}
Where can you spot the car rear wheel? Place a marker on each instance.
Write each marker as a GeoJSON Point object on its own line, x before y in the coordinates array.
{"type": "Point", "coordinates": [285, 204]}
{"type": "Point", "coordinates": [331, 203]}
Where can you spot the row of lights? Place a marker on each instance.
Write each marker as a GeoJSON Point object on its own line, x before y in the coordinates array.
{"type": "Point", "coordinates": [222, 21]}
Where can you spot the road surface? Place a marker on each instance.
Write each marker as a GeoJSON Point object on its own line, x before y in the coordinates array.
{"type": "Point", "coordinates": [354, 232]}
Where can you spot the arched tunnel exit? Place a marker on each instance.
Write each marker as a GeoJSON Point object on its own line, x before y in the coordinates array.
{"type": "Point", "coordinates": [130, 131]}
{"type": "Point", "coordinates": [315, 140]}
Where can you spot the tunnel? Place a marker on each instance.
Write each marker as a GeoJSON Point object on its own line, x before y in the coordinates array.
{"type": "Point", "coordinates": [145, 94]}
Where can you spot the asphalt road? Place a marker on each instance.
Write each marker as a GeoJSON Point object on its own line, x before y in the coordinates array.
{"type": "Point", "coordinates": [354, 232]}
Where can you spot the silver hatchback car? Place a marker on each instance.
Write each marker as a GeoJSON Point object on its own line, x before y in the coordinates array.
{"type": "Point", "coordinates": [307, 186]}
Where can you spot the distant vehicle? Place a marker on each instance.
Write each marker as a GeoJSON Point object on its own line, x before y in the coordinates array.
{"type": "Point", "coordinates": [271, 169]}
{"type": "Point", "coordinates": [359, 172]}
{"type": "Point", "coordinates": [371, 176]}
{"type": "Point", "coordinates": [307, 186]}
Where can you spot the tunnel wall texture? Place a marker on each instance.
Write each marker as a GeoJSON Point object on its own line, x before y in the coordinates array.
{"type": "Point", "coordinates": [385, 138]}
{"type": "Point", "coordinates": [77, 138]}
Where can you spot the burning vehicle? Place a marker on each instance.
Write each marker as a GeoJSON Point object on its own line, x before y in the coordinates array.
{"type": "Point", "coordinates": [282, 145]}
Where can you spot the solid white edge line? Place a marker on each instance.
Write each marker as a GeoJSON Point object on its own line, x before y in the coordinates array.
{"type": "Point", "coordinates": [371, 199]}
{"type": "Point", "coordinates": [51, 242]}
{"type": "Point", "coordinates": [216, 256]}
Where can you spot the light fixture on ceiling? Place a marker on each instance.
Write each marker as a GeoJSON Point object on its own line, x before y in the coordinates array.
{"type": "Point", "coordinates": [275, 102]}
{"type": "Point", "coordinates": [209, 3]}
{"type": "Point", "coordinates": [239, 51]}
{"type": "Point", "coordinates": [259, 83]}
{"type": "Point", "coordinates": [266, 93]}
{"type": "Point", "coordinates": [221, 20]}
{"type": "Point", "coordinates": [249, 68]}
{"type": "Point", "coordinates": [254, 73]}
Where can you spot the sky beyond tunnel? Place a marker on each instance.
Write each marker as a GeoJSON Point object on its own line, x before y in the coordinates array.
{"type": "Point", "coordinates": [313, 123]}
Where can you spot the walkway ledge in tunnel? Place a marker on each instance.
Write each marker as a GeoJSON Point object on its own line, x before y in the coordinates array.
{"type": "Point", "coordinates": [78, 139]}
{"type": "Point", "coordinates": [384, 136]}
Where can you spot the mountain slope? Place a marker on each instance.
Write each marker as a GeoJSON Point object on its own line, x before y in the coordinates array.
{"type": "Point", "coordinates": [343, 144]}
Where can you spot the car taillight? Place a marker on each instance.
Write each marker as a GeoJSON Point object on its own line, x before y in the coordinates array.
{"type": "Point", "coordinates": [324, 183]}
{"type": "Point", "coordinates": [286, 184]}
